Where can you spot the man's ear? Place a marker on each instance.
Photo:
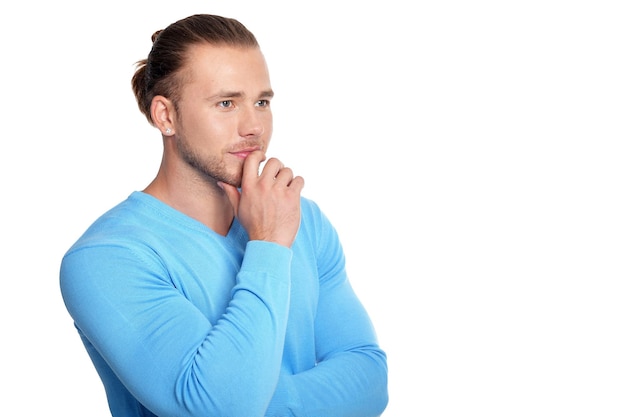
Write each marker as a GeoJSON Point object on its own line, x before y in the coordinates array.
{"type": "Point", "coordinates": [163, 115]}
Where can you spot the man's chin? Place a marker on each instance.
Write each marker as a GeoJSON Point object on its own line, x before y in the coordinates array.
{"type": "Point", "coordinates": [233, 178]}
{"type": "Point", "coordinates": [235, 182]}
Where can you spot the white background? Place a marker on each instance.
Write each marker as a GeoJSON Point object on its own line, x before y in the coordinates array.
{"type": "Point", "coordinates": [470, 153]}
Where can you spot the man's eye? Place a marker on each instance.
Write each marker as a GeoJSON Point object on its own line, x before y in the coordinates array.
{"type": "Point", "coordinates": [226, 103]}
{"type": "Point", "coordinates": [263, 103]}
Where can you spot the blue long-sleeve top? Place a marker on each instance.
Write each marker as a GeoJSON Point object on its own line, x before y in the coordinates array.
{"type": "Point", "coordinates": [181, 321]}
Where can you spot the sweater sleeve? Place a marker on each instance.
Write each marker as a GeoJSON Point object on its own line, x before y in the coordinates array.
{"type": "Point", "coordinates": [350, 378]}
{"type": "Point", "coordinates": [163, 349]}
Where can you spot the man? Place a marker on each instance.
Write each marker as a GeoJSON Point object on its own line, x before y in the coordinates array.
{"type": "Point", "coordinates": [219, 290]}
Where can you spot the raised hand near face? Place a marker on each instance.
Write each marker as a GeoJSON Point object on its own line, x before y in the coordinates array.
{"type": "Point", "coordinates": [268, 206]}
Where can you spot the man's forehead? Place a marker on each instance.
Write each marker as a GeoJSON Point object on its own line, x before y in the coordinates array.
{"type": "Point", "coordinates": [233, 71]}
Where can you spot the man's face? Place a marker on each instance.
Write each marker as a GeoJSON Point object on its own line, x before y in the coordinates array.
{"type": "Point", "coordinates": [224, 112]}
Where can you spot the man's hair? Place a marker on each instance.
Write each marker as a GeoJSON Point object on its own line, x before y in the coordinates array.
{"type": "Point", "coordinates": [159, 73]}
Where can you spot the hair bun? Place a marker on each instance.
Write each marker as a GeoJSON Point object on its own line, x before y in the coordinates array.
{"type": "Point", "coordinates": [156, 34]}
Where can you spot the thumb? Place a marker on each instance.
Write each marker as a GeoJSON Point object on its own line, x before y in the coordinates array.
{"type": "Point", "coordinates": [232, 193]}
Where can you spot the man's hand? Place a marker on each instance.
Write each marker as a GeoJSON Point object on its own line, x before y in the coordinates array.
{"type": "Point", "coordinates": [269, 204]}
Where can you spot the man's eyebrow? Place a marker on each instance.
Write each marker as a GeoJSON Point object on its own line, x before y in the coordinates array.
{"type": "Point", "coordinates": [224, 94]}
{"type": "Point", "coordinates": [239, 94]}
{"type": "Point", "coordinates": [267, 93]}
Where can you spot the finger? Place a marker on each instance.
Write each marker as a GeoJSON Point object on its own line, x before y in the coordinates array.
{"type": "Point", "coordinates": [296, 184]}
{"type": "Point", "coordinates": [285, 175]}
{"type": "Point", "coordinates": [251, 166]}
{"type": "Point", "coordinates": [233, 195]}
{"type": "Point", "coordinates": [271, 169]}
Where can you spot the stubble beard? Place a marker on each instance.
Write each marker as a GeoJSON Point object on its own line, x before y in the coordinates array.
{"type": "Point", "coordinates": [210, 168]}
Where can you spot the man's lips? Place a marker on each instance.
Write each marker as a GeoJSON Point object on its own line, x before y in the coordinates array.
{"type": "Point", "coordinates": [244, 152]}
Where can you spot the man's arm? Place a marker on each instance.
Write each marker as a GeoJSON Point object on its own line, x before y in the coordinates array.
{"type": "Point", "coordinates": [350, 378]}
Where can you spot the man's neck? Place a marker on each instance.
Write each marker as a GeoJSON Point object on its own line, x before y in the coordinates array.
{"type": "Point", "coordinates": [204, 203]}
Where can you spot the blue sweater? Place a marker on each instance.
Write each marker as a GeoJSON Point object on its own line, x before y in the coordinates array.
{"type": "Point", "coordinates": [181, 321]}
